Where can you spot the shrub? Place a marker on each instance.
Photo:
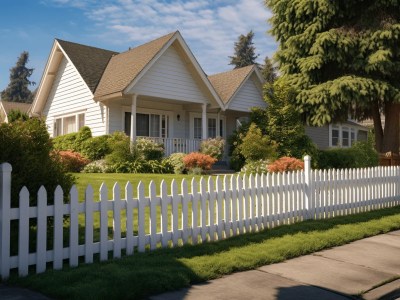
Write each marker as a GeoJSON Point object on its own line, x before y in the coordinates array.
{"type": "Point", "coordinates": [255, 146]}
{"type": "Point", "coordinates": [98, 166]}
{"type": "Point", "coordinates": [176, 161]}
{"type": "Point", "coordinates": [120, 148]}
{"type": "Point", "coordinates": [255, 167]}
{"type": "Point", "coordinates": [27, 147]}
{"type": "Point", "coordinates": [213, 147]}
{"type": "Point", "coordinates": [65, 142]}
{"type": "Point", "coordinates": [16, 115]}
{"type": "Point", "coordinates": [148, 149]}
{"type": "Point", "coordinates": [96, 148]}
{"type": "Point", "coordinates": [72, 161]}
{"type": "Point", "coordinates": [285, 163]}
{"type": "Point", "coordinates": [198, 160]}
{"type": "Point", "coordinates": [83, 135]}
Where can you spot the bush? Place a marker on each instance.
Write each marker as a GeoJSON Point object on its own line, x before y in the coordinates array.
{"type": "Point", "coordinates": [255, 167]}
{"type": "Point", "coordinates": [16, 115]}
{"type": "Point", "coordinates": [27, 147]}
{"type": "Point", "coordinates": [98, 166]}
{"type": "Point", "coordinates": [198, 160]}
{"type": "Point", "coordinates": [176, 161]}
{"type": "Point", "coordinates": [255, 146]}
{"type": "Point", "coordinates": [96, 148]}
{"type": "Point", "coordinates": [213, 147]}
{"type": "Point", "coordinates": [83, 135]}
{"type": "Point", "coordinates": [65, 142]}
{"type": "Point", "coordinates": [285, 164]}
{"type": "Point", "coordinates": [148, 149]}
{"type": "Point", "coordinates": [120, 148]}
{"type": "Point", "coordinates": [72, 161]}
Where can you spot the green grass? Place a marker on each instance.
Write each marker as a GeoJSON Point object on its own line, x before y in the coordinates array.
{"type": "Point", "coordinates": [163, 270]}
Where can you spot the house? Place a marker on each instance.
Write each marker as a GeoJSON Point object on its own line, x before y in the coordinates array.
{"type": "Point", "coordinates": [156, 90]}
{"type": "Point", "coordinates": [7, 106]}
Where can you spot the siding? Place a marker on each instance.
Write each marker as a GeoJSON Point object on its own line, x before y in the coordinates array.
{"type": "Point", "coordinates": [170, 78]}
{"type": "Point", "coordinates": [319, 135]}
{"type": "Point", "coordinates": [70, 94]}
{"type": "Point", "coordinates": [248, 96]}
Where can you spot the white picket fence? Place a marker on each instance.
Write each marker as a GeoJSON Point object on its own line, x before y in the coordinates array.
{"type": "Point", "coordinates": [212, 210]}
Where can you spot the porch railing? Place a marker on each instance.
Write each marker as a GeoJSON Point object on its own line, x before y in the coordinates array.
{"type": "Point", "coordinates": [174, 145]}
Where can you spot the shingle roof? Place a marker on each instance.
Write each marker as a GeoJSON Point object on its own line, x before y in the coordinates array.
{"type": "Point", "coordinates": [125, 67]}
{"type": "Point", "coordinates": [8, 106]}
{"type": "Point", "coordinates": [89, 61]}
{"type": "Point", "coordinates": [227, 83]}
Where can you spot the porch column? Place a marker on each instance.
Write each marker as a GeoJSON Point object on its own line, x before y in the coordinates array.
{"type": "Point", "coordinates": [204, 122]}
{"type": "Point", "coordinates": [133, 118]}
{"type": "Point", "coordinates": [107, 118]}
{"type": "Point", "coordinates": [218, 124]}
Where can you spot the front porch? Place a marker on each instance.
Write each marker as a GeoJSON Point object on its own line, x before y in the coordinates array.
{"type": "Point", "coordinates": [176, 145]}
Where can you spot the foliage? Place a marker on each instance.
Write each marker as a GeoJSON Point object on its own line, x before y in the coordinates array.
{"type": "Point", "coordinates": [285, 164]}
{"type": "Point", "coordinates": [255, 146]}
{"type": "Point", "coordinates": [269, 71]}
{"type": "Point", "coordinates": [96, 148]}
{"type": "Point", "coordinates": [17, 89]}
{"type": "Point", "coordinates": [360, 155]}
{"type": "Point", "coordinates": [255, 167]}
{"type": "Point", "coordinates": [72, 161]}
{"type": "Point", "coordinates": [120, 150]}
{"type": "Point", "coordinates": [342, 56]}
{"type": "Point", "coordinates": [213, 147]}
{"type": "Point", "coordinates": [244, 51]}
{"type": "Point", "coordinates": [65, 142]}
{"type": "Point", "coordinates": [97, 166]}
{"type": "Point", "coordinates": [284, 123]}
{"type": "Point", "coordinates": [16, 115]}
{"type": "Point", "coordinates": [141, 166]}
{"type": "Point", "coordinates": [198, 160]}
{"type": "Point", "coordinates": [176, 161]}
{"type": "Point", "coordinates": [27, 147]}
{"type": "Point", "coordinates": [148, 149]}
{"type": "Point", "coordinates": [83, 135]}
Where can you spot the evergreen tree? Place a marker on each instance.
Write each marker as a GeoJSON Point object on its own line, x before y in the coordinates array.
{"type": "Point", "coordinates": [244, 51]}
{"type": "Point", "coordinates": [269, 71]}
{"type": "Point", "coordinates": [17, 90]}
{"type": "Point", "coordinates": [342, 57]}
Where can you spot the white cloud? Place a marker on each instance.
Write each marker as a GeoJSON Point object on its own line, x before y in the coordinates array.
{"type": "Point", "coordinates": [209, 27]}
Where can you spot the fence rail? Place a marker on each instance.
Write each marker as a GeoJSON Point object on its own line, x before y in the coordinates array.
{"type": "Point", "coordinates": [194, 213]}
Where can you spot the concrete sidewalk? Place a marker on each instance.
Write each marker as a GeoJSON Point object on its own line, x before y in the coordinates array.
{"type": "Point", "coordinates": [356, 270]}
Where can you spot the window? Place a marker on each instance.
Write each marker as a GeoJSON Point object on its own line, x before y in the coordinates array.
{"type": "Point", "coordinates": [212, 128]}
{"type": "Point", "coordinates": [68, 124]}
{"type": "Point", "coordinates": [197, 128]}
{"type": "Point", "coordinates": [335, 136]}
{"type": "Point", "coordinates": [150, 125]}
{"type": "Point", "coordinates": [345, 137]}
{"type": "Point", "coordinates": [352, 136]}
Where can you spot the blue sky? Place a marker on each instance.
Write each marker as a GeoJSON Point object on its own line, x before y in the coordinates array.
{"type": "Point", "coordinates": [209, 27]}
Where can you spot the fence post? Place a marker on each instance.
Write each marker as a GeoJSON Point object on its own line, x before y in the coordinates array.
{"type": "Point", "coordinates": [308, 204]}
{"type": "Point", "coordinates": [5, 208]}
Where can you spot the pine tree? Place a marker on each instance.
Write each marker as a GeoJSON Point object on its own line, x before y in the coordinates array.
{"type": "Point", "coordinates": [17, 90]}
{"type": "Point", "coordinates": [244, 51]}
{"type": "Point", "coordinates": [342, 57]}
{"type": "Point", "coordinates": [269, 71]}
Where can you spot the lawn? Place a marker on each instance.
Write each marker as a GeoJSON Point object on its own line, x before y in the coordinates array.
{"type": "Point", "coordinates": [143, 274]}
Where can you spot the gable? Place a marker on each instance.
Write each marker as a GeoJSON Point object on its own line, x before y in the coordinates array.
{"type": "Point", "coordinates": [170, 77]}
{"type": "Point", "coordinates": [249, 95]}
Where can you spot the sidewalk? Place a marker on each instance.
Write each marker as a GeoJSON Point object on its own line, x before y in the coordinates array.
{"type": "Point", "coordinates": [357, 270]}
{"type": "Point", "coordinates": [345, 272]}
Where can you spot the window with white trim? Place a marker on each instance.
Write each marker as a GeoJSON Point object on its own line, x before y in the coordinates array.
{"type": "Point", "coordinates": [197, 128]}
{"type": "Point", "coordinates": [211, 128]}
{"type": "Point", "coordinates": [345, 135]}
{"type": "Point", "coordinates": [68, 124]}
{"type": "Point", "coordinates": [335, 136]}
{"type": "Point", "coordinates": [148, 125]}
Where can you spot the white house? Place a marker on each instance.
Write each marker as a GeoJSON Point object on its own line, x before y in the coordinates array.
{"type": "Point", "coordinates": [156, 90]}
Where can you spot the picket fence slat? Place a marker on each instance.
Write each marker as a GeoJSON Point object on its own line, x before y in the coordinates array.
{"type": "Point", "coordinates": [218, 209]}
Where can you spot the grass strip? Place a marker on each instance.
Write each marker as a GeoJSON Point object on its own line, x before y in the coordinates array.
{"type": "Point", "coordinates": [141, 275]}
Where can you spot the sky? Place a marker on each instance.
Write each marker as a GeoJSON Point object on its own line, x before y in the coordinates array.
{"type": "Point", "coordinates": [210, 27]}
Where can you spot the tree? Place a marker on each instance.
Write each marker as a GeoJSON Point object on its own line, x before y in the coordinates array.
{"type": "Point", "coordinates": [342, 57]}
{"type": "Point", "coordinates": [269, 71]}
{"type": "Point", "coordinates": [17, 90]}
{"type": "Point", "coordinates": [244, 51]}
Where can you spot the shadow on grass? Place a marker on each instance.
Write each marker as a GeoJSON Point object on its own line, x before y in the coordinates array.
{"type": "Point", "coordinates": [162, 270]}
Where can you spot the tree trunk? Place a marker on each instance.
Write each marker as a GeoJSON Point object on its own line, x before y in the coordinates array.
{"type": "Point", "coordinates": [378, 130]}
{"type": "Point", "coordinates": [390, 141]}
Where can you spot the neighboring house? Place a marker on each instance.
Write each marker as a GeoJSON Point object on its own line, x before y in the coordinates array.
{"type": "Point", "coordinates": [6, 107]}
{"type": "Point", "coordinates": [156, 90]}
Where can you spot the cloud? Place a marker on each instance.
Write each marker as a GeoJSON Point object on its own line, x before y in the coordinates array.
{"type": "Point", "coordinates": [209, 27]}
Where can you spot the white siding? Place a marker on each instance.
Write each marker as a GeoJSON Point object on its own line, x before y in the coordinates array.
{"type": "Point", "coordinates": [248, 96]}
{"type": "Point", "coordinates": [70, 94]}
{"type": "Point", "coordinates": [170, 78]}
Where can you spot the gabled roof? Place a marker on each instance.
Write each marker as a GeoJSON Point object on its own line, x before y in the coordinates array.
{"type": "Point", "coordinates": [125, 67]}
{"type": "Point", "coordinates": [89, 61]}
{"type": "Point", "coordinates": [8, 106]}
{"type": "Point", "coordinates": [228, 83]}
